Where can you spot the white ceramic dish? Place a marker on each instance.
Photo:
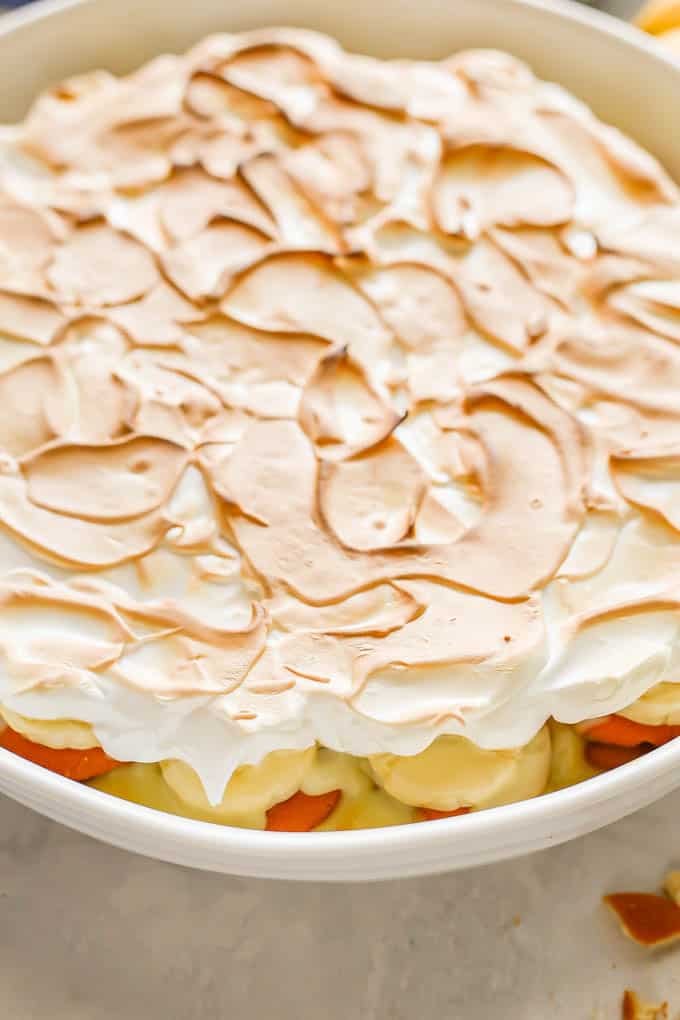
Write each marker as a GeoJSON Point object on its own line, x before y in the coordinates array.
{"type": "Point", "coordinates": [627, 81]}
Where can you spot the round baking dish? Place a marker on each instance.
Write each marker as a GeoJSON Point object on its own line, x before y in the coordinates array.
{"type": "Point", "coordinates": [627, 81]}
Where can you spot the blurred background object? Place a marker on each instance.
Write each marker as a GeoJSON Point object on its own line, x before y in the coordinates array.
{"type": "Point", "coordinates": [622, 8]}
{"type": "Point", "coordinates": [662, 19]}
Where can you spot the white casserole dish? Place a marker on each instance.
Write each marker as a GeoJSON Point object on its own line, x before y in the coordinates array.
{"type": "Point", "coordinates": [626, 81]}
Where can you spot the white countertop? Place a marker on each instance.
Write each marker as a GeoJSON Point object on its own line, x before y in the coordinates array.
{"type": "Point", "coordinates": [92, 933]}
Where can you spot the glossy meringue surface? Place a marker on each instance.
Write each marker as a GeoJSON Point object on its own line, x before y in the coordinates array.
{"type": "Point", "coordinates": [340, 406]}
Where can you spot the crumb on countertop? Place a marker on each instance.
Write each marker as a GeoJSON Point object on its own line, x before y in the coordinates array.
{"type": "Point", "coordinates": [634, 1008]}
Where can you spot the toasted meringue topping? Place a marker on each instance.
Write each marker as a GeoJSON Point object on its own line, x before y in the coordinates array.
{"type": "Point", "coordinates": [480, 186]}
{"type": "Point", "coordinates": [99, 266]}
{"type": "Point", "coordinates": [371, 502]}
{"type": "Point", "coordinates": [340, 406]}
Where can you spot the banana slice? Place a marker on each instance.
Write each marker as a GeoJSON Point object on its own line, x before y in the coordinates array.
{"type": "Point", "coordinates": [252, 789]}
{"type": "Point", "coordinates": [55, 733]}
{"type": "Point", "coordinates": [660, 706]}
{"type": "Point", "coordinates": [333, 770]}
{"type": "Point", "coordinates": [569, 765]}
{"type": "Point", "coordinates": [453, 773]}
{"type": "Point", "coordinates": [363, 805]}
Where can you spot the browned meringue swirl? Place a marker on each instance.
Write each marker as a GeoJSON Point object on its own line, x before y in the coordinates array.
{"type": "Point", "coordinates": [315, 367]}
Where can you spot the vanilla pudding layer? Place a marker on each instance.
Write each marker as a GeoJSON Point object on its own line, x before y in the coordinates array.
{"type": "Point", "coordinates": [340, 411]}
{"type": "Point", "coordinates": [451, 775]}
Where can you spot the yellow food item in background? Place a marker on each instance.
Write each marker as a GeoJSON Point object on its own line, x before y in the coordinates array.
{"type": "Point", "coordinates": [662, 19]}
{"type": "Point", "coordinates": [659, 16]}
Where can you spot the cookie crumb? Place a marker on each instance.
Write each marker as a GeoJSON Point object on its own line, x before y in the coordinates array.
{"type": "Point", "coordinates": [647, 919]}
{"type": "Point", "coordinates": [633, 1008]}
{"type": "Point", "coordinates": [672, 886]}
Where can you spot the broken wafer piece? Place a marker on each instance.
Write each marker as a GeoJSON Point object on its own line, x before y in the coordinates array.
{"type": "Point", "coordinates": [646, 918]}
{"type": "Point", "coordinates": [634, 1008]}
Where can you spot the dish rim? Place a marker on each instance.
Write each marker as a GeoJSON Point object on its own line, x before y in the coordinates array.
{"type": "Point", "coordinates": [548, 807]}
{"type": "Point", "coordinates": [98, 813]}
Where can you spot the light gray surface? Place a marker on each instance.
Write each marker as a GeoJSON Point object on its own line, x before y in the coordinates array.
{"type": "Point", "coordinates": [622, 8]}
{"type": "Point", "coordinates": [92, 933]}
